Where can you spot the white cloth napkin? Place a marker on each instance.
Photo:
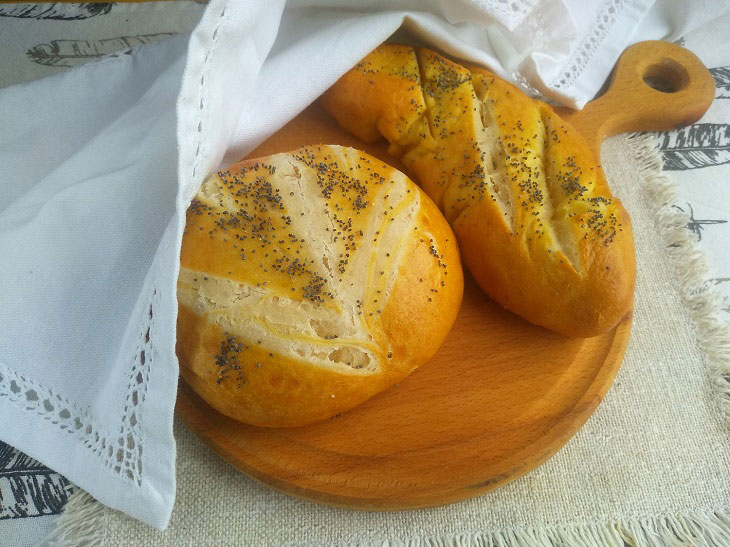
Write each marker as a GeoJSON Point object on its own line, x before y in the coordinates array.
{"type": "Point", "coordinates": [98, 165]}
{"type": "Point", "coordinates": [87, 265]}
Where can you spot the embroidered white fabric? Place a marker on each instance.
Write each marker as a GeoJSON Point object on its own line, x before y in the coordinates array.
{"type": "Point", "coordinates": [88, 245]}
{"type": "Point", "coordinates": [102, 163]}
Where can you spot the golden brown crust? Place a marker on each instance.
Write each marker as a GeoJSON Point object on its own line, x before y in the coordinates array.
{"type": "Point", "coordinates": [262, 342]}
{"type": "Point", "coordinates": [424, 298]}
{"type": "Point", "coordinates": [281, 392]}
{"type": "Point", "coordinates": [536, 222]}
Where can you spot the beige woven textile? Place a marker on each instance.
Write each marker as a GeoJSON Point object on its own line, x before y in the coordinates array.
{"type": "Point", "coordinates": [651, 466]}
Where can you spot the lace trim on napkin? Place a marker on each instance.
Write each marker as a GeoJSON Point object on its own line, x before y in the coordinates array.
{"type": "Point", "coordinates": [537, 25]}
{"type": "Point", "coordinates": [587, 49]}
{"type": "Point", "coordinates": [508, 12]}
{"type": "Point", "coordinates": [121, 451]}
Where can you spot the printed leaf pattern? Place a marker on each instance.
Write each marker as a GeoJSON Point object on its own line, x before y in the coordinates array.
{"type": "Point", "coordinates": [696, 146]}
{"type": "Point", "coordinates": [721, 76]}
{"type": "Point", "coordinates": [722, 285]}
{"type": "Point", "coordinates": [70, 53]}
{"type": "Point", "coordinates": [63, 11]}
{"type": "Point", "coordinates": [723, 281]}
{"type": "Point", "coordinates": [697, 225]}
{"type": "Point", "coordinates": [27, 488]}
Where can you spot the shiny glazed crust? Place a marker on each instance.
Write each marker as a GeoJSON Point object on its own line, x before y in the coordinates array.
{"type": "Point", "coordinates": [536, 222]}
{"type": "Point", "coordinates": [309, 282]}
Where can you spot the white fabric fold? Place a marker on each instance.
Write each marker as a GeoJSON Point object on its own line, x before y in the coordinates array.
{"type": "Point", "coordinates": [89, 185]}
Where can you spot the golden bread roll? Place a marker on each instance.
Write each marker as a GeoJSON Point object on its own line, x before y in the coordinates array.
{"type": "Point", "coordinates": [536, 222]}
{"type": "Point", "coordinates": [309, 282]}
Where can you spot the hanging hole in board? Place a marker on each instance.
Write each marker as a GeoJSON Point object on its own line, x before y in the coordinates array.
{"type": "Point", "coordinates": [667, 76]}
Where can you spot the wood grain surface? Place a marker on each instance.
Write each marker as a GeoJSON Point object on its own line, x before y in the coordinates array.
{"type": "Point", "coordinates": [655, 86]}
{"type": "Point", "coordinates": [501, 396]}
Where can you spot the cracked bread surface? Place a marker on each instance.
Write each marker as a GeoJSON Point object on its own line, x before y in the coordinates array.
{"type": "Point", "coordinates": [536, 222]}
{"type": "Point", "coordinates": [310, 281]}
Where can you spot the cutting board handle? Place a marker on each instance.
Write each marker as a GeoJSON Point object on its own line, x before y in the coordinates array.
{"type": "Point", "coordinates": [655, 86]}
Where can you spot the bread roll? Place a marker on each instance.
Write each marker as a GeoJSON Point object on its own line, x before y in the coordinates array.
{"type": "Point", "coordinates": [309, 282]}
{"type": "Point", "coordinates": [536, 222]}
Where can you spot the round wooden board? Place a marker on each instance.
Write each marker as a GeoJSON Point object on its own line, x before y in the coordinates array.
{"type": "Point", "coordinates": [499, 398]}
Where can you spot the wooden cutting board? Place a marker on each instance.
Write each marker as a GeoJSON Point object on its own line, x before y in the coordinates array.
{"type": "Point", "coordinates": [501, 396]}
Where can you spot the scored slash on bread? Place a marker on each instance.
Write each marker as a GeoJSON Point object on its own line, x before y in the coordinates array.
{"type": "Point", "coordinates": [310, 281]}
{"type": "Point", "coordinates": [536, 222]}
